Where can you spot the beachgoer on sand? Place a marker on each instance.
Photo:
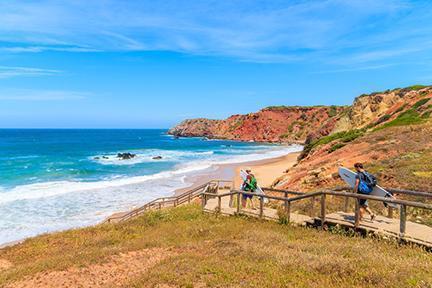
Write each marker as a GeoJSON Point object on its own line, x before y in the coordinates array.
{"type": "Point", "coordinates": [250, 185]}
{"type": "Point", "coordinates": [365, 183]}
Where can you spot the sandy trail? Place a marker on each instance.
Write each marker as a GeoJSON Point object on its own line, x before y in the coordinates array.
{"type": "Point", "coordinates": [116, 272]}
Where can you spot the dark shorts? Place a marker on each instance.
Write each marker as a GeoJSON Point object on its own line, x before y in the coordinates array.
{"type": "Point", "coordinates": [363, 202]}
{"type": "Point", "coordinates": [247, 196]}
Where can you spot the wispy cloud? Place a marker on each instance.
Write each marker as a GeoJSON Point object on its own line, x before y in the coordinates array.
{"type": "Point", "coordinates": [357, 68]}
{"type": "Point", "coordinates": [8, 71]}
{"type": "Point", "coordinates": [41, 95]}
{"type": "Point", "coordinates": [37, 49]}
{"type": "Point", "coordinates": [253, 30]}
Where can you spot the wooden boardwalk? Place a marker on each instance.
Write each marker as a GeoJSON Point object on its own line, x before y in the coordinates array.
{"type": "Point", "coordinates": [383, 226]}
{"type": "Point", "coordinates": [219, 196]}
{"type": "Point", "coordinates": [415, 232]}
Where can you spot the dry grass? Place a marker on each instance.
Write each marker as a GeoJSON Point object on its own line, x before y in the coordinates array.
{"type": "Point", "coordinates": [225, 251]}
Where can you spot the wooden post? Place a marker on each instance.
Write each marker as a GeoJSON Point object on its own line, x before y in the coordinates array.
{"type": "Point", "coordinates": [203, 201]}
{"type": "Point", "coordinates": [390, 212]}
{"type": "Point", "coordinates": [238, 202]}
{"type": "Point", "coordinates": [175, 202]}
{"type": "Point", "coordinates": [323, 209]}
{"type": "Point", "coordinates": [357, 214]}
{"type": "Point", "coordinates": [312, 207]}
{"type": "Point", "coordinates": [402, 221]}
{"type": "Point", "coordinates": [261, 206]}
{"type": "Point", "coordinates": [288, 210]}
{"type": "Point", "coordinates": [346, 204]}
{"type": "Point", "coordinates": [219, 204]}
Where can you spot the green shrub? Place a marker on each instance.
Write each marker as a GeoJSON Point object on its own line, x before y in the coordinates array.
{"type": "Point", "coordinates": [416, 87]}
{"type": "Point", "coordinates": [382, 119]}
{"type": "Point", "coordinates": [336, 147]}
{"type": "Point", "coordinates": [426, 114]}
{"type": "Point", "coordinates": [280, 107]}
{"type": "Point", "coordinates": [400, 109]}
{"type": "Point", "coordinates": [409, 117]}
{"type": "Point", "coordinates": [344, 136]}
{"type": "Point", "coordinates": [420, 103]}
{"type": "Point", "coordinates": [332, 111]}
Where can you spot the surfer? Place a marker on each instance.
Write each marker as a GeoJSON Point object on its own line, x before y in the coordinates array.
{"type": "Point", "coordinates": [364, 185]}
{"type": "Point", "coordinates": [249, 185]}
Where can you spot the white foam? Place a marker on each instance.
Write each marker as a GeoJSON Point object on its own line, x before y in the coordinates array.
{"type": "Point", "coordinates": [29, 210]}
{"type": "Point", "coordinates": [55, 188]}
{"type": "Point", "coordinates": [146, 156]}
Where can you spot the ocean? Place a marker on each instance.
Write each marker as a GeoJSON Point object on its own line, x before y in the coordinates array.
{"type": "Point", "coordinates": [52, 180]}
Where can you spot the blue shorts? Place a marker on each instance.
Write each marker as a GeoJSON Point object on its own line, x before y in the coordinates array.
{"type": "Point", "coordinates": [247, 196]}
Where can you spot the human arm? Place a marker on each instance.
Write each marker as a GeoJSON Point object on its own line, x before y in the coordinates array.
{"type": "Point", "coordinates": [356, 185]}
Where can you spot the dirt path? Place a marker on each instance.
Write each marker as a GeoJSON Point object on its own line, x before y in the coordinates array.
{"type": "Point", "coordinates": [113, 273]}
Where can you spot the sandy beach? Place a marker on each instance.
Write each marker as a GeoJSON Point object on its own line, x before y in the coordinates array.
{"type": "Point", "coordinates": [266, 171]}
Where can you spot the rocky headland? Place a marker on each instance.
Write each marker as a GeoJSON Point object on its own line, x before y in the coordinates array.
{"type": "Point", "coordinates": [390, 131]}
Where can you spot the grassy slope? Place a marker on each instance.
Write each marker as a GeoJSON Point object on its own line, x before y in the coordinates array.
{"type": "Point", "coordinates": [221, 251]}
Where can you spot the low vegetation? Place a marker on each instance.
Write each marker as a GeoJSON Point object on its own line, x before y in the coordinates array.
{"type": "Point", "coordinates": [416, 87]}
{"type": "Point", "coordinates": [408, 117]}
{"type": "Point", "coordinates": [206, 250]}
{"type": "Point", "coordinates": [342, 137]}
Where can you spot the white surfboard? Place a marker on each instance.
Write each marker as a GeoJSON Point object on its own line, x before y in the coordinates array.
{"type": "Point", "coordinates": [259, 191]}
{"type": "Point", "coordinates": [350, 178]}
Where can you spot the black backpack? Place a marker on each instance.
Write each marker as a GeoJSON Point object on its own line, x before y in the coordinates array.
{"type": "Point", "coordinates": [370, 179]}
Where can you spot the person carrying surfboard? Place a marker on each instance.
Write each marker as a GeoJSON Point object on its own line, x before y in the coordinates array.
{"type": "Point", "coordinates": [364, 184]}
{"type": "Point", "coordinates": [250, 184]}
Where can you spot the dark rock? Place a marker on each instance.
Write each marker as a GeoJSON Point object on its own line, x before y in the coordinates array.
{"type": "Point", "coordinates": [157, 158]}
{"type": "Point", "coordinates": [125, 156]}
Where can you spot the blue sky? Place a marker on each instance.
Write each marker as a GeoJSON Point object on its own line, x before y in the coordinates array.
{"type": "Point", "coordinates": [150, 64]}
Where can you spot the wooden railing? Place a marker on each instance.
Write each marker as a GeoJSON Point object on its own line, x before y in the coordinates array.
{"type": "Point", "coordinates": [403, 204]}
{"type": "Point", "coordinates": [210, 190]}
{"type": "Point", "coordinates": [210, 187]}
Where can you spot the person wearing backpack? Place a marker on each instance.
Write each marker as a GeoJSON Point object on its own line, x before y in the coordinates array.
{"type": "Point", "coordinates": [249, 185]}
{"type": "Point", "coordinates": [365, 183]}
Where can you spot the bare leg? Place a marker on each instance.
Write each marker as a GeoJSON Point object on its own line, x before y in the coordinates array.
{"type": "Point", "coordinates": [370, 213]}
{"type": "Point", "coordinates": [252, 203]}
{"type": "Point", "coordinates": [244, 202]}
{"type": "Point", "coordinates": [362, 211]}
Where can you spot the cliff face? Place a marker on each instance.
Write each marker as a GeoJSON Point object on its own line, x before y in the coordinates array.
{"type": "Point", "coordinates": [390, 131]}
{"type": "Point", "coordinates": [306, 124]}
{"type": "Point", "coordinates": [273, 124]}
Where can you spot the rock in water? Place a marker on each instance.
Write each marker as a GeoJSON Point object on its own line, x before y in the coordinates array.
{"type": "Point", "coordinates": [157, 158]}
{"type": "Point", "coordinates": [125, 156]}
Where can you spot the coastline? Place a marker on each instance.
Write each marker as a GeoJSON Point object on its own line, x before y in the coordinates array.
{"type": "Point", "coordinates": [266, 171]}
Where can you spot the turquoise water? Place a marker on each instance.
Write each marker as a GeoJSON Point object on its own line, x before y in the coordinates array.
{"type": "Point", "coordinates": [58, 179]}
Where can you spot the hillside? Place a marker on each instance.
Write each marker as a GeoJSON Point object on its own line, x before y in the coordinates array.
{"type": "Point", "coordinates": [272, 124]}
{"type": "Point", "coordinates": [394, 142]}
{"type": "Point", "coordinates": [390, 131]}
{"type": "Point", "coordinates": [183, 247]}
{"type": "Point", "coordinates": [305, 124]}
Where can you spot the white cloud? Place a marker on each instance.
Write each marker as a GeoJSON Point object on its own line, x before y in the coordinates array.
{"type": "Point", "coordinates": [41, 95]}
{"type": "Point", "coordinates": [8, 71]}
{"type": "Point", "coordinates": [248, 30]}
